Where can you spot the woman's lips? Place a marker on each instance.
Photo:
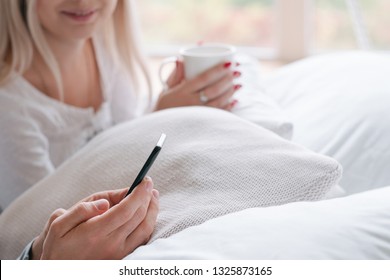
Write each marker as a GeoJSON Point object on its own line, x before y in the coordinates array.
{"type": "Point", "coordinates": [80, 16]}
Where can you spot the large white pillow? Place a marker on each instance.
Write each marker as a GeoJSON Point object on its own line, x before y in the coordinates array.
{"type": "Point", "coordinates": [353, 227]}
{"type": "Point", "coordinates": [213, 163]}
{"type": "Point", "coordinates": [254, 104]}
{"type": "Point", "coordinates": [339, 105]}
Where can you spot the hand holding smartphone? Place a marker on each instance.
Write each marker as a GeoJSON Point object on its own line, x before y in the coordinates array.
{"type": "Point", "coordinates": [148, 163]}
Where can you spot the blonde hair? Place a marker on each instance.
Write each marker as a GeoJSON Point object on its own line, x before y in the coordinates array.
{"type": "Point", "coordinates": [20, 31]}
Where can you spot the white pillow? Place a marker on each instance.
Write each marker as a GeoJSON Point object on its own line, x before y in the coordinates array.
{"type": "Point", "coordinates": [354, 227]}
{"type": "Point", "coordinates": [254, 104]}
{"type": "Point", "coordinates": [339, 105]}
{"type": "Point", "coordinates": [213, 163]}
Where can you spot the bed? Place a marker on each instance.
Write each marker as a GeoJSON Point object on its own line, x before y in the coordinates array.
{"type": "Point", "coordinates": [299, 170]}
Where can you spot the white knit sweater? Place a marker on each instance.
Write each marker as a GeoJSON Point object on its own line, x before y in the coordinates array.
{"type": "Point", "coordinates": [38, 133]}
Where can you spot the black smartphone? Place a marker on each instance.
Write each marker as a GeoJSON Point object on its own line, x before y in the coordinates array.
{"type": "Point", "coordinates": [148, 163]}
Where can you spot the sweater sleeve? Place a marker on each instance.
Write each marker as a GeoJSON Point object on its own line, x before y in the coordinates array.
{"type": "Point", "coordinates": [24, 152]}
{"type": "Point", "coordinates": [26, 253]}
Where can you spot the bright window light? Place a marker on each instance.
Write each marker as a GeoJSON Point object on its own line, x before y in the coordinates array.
{"type": "Point", "coordinates": [269, 29]}
{"type": "Point", "coordinates": [239, 22]}
{"type": "Point", "coordinates": [346, 24]}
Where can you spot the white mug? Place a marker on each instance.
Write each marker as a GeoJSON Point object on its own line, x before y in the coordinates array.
{"type": "Point", "coordinates": [198, 59]}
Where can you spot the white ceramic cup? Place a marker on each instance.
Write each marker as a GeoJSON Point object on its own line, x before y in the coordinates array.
{"type": "Point", "coordinates": [198, 59]}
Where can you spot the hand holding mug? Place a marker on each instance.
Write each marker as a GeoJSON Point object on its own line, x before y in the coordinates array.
{"type": "Point", "coordinates": [204, 75]}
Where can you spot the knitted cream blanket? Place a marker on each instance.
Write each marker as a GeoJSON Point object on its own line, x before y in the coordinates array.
{"type": "Point", "coordinates": [213, 163]}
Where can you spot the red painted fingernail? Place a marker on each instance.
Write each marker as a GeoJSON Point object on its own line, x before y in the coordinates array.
{"type": "Point", "coordinates": [233, 103]}
{"type": "Point", "coordinates": [236, 74]}
{"type": "Point", "coordinates": [237, 87]}
{"type": "Point", "coordinates": [238, 64]}
{"type": "Point", "coordinates": [227, 65]}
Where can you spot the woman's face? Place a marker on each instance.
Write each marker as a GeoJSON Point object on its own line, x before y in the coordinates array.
{"type": "Point", "coordinates": [73, 19]}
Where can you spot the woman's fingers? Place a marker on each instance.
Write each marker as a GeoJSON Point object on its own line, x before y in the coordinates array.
{"type": "Point", "coordinates": [224, 99]}
{"type": "Point", "coordinates": [37, 245]}
{"type": "Point", "coordinates": [219, 88]}
{"type": "Point", "coordinates": [142, 233]}
{"type": "Point", "coordinates": [79, 213]}
{"type": "Point", "coordinates": [56, 214]}
{"type": "Point", "coordinates": [209, 77]}
{"type": "Point", "coordinates": [212, 88]}
{"type": "Point", "coordinates": [218, 94]}
{"type": "Point", "coordinates": [91, 229]}
{"type": "Point", "coordinates": [113, 197]}
{"type": "Point", "coordinates": [177, 75]}
{"type": "Point", "coordinates": [124, 211]}
{"type": "Point", "coordinates": [134, 222]}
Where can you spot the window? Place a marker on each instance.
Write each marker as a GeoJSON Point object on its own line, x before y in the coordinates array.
{"type": "Point", "coordinates": [282, 29]}
{"type": "Point", "coordinates": [239, 22]}
{"type": "Point", "coordinates": [333, 27]}
{"type": "Point", "coordinates": [348, 24]}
